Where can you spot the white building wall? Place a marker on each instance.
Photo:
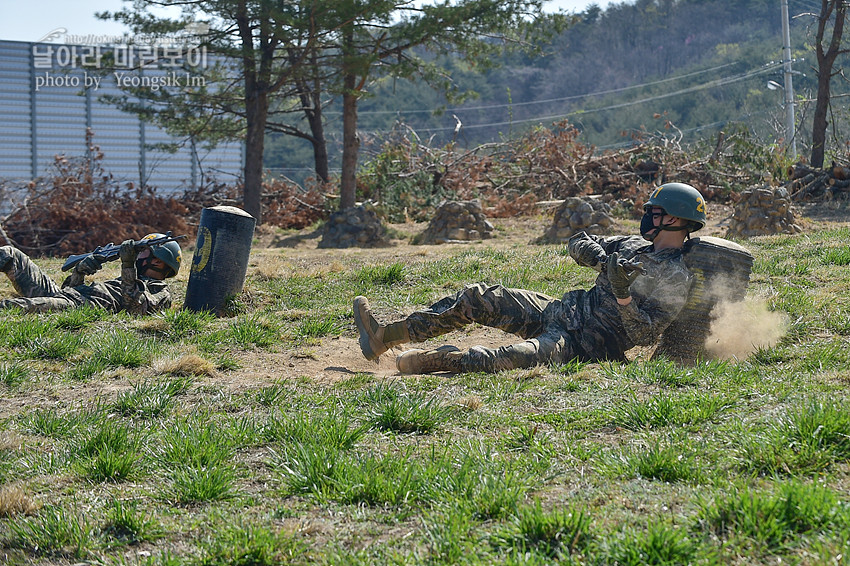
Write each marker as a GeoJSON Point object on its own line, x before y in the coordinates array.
{"type": "Point", "coordinates": [45, 110]}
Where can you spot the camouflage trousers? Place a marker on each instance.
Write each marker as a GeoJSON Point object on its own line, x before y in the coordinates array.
{"type": "Point", "coordinates": [38, 293]}
{"type": "Point", "coordinates": [531, 316]}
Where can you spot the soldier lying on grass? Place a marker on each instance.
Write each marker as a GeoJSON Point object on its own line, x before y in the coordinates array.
{"type": "Point", "coordinates": [640, 290]}
{"type": "Point", "coordinates": [139, 290]}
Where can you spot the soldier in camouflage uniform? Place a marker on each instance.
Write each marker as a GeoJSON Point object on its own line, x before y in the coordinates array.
{"type": "Point", "coordinates": [641, 288]}
{"type": "Point", "coordinates": [140, 289]}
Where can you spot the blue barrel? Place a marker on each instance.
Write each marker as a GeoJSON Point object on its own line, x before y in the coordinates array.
{"type": "Point", "coordinates": [220, 262]}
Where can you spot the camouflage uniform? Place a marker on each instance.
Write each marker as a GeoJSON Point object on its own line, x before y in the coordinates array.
{"type": "Point", "coordinates": [136, 295]}
{"type": "Point", "coordinates": [588, 325]}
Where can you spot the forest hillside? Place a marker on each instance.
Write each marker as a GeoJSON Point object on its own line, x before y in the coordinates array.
{"type": "Point", "coordinates": [633, 68]}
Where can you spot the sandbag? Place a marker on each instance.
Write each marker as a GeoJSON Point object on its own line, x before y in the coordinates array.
{"type": "Point", "coordinates": [721, 271]}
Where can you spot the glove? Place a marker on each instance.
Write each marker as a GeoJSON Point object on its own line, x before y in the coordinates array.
{"type": "Point", "coordinates": [622, 273]}
{"type": "Point", "coordinates": [128, 253]}
{"type": "Point", "coordinates": [89, 265]}
{"type": "Point", "coordinates": [585, 251]}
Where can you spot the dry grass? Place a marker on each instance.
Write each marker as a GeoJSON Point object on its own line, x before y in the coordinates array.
{"type": "Point", "coordinates": [470, 403]}
{"type": "Point", "coordinates": [10, 440]}
{"type": "Point", "coordinates": [15, 501]}
{"type": "Point", "coordinates": [185, 366]}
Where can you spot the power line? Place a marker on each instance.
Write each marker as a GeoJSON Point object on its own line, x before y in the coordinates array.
{"type": "Point", "coordinates": [712, 84]}
{"type": "Point", "coordinates": [549, 100]}
{"type": "Point", "coordinates": [810, 5]}
{"type": "Point", "coordinates": [718, 124]}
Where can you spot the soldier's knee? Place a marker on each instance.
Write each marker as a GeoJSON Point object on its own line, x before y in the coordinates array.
{"type": "Point", "coordinates": [481, 292]}
{"type": "Point", "coordinates": [474, 289]}
{"type": "Point", "coordinates": [5, 257]}
{"type": "Point", "coordinates": [7, 252]}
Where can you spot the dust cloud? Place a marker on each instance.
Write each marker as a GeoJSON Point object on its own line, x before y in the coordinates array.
{"type": "Point", "coordinates": [740, 328]}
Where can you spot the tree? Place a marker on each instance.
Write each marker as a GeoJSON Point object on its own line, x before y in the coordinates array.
{"type": "Point", "coordinates": [381, 41]}
{"type": "Point", "coordinates": [265, 48]}
{"type": "Point", "coordinates": [832, 12]}
{"type": "Point", "coordinates": [298, 49]}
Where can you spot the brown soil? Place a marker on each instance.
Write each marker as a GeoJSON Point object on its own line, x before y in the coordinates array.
{"type": "Point", "coordinates": [340, 358]}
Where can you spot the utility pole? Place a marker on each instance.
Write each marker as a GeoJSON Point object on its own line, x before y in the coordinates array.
{"type": "Point", "coordinates": [789, 88]}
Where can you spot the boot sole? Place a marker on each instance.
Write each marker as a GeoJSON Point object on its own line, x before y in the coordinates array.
{"type": "Point", "coordinates": [367, 345]}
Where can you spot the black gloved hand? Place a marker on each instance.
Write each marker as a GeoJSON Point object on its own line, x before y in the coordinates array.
{"type": "Point", "coordinates": [128, 253]}
{"type": "Point", "coordinates": [622, 273]}
{"type": "Point", "coordinates": [89, 265]}
{"type": "Point", "coordinates": [586, 251]}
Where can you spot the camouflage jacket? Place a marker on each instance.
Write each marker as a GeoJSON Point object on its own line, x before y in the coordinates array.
{"type": "Point", "coordinates": [136, 295]}
{"type": "Point", "coordinates": [608, 329]}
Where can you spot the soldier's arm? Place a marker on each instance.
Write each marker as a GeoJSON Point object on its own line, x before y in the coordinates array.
{"type": "Point", "coordinates": [157, 299]}
{"type": "Point", "coordinates": [74, 279]}
{"type": "Point", "coordinates": [584, 248]}
{"type": "Point", "coordinates": [142, 297]}
{"type": "Point", "coordinates": [645, 319]}
{"type": "Point", "coordinates": [131, 295]}
{"type": "Point", "coordinates": [586, 251]}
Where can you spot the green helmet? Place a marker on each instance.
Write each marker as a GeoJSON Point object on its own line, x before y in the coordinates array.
{"type": "Point", "coordinates": [680, 200]}
{"type": "Point", "coordinates": [169, 253]}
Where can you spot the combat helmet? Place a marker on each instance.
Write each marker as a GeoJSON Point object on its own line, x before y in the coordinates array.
{"type": "Point", "coordinates": [680, 200]}
{"type": "Point", "coordinates": [169, 253]}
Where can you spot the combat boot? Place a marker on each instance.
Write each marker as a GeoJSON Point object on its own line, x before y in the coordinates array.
{"type": "Point", "coordinates": [376, 338]}
{"type": "Point", "coordinates": [444, 358]}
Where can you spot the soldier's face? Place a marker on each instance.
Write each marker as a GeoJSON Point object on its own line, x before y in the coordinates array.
{"type": "Point", "coordinates": [661, 218]}
{"type": "Point", "coordinates": [156, 269]}
{"type": "Point", "coordinates": [657, 214]}
{"type": "Point", "coordinates": [655, 219]}
{"type": "Point", "coordinates": [649, 224]}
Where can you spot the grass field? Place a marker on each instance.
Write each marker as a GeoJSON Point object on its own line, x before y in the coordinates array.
{"type": "Point", "coordinates": [161, 441]}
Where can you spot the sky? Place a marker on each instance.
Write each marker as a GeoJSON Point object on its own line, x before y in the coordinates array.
{"type": "Point", "coordinates": [34, 20]}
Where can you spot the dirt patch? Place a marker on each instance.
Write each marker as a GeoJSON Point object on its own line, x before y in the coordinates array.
{"type": "Point", "coordinates": [829, 212]}
{"type": "Point", "coordinates": [301, 247]}
{"type": "Point", "coordinates": [340, 358]}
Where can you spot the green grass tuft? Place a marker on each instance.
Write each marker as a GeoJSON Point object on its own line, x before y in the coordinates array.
{"type": "Point", "coordinates": [126, 523]}
{"type": "Point", "coordinates": [390, 409]}
{"type": "Point", "coordinates": [748, 518]}
{"type": "Point", "coordinates": [122, 348]}
{"type": "Point", "coordinates": [14, 374]}
{"type": "Point", "coordinates": [54, 531]}
{"type": "Point", "coordinates": [554, 534]}
{"type": "Point", "coordinates": [381, 274]}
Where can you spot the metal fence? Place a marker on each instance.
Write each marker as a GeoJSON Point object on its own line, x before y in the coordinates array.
{"type": "Point", "coordinates": [47, 103]}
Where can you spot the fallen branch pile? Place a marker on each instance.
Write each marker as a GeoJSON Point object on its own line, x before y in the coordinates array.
{"type": "Point", "coordinates": [808, 184]}
{"type": "Point", "coordinates": [80, 205]}
{"type": "Point", "coordinates": [407, 178]}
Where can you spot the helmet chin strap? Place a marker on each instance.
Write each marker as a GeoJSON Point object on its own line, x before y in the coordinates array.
{"type": "Point", "coordinates": [650, 231]}
{"type": "Point", "coordinates": [651, 234]}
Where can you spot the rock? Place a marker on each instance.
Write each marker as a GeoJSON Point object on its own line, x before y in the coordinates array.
{"type": "Point", "coordinates": [358, 226]}
{"type": "Point", "coordinates": [762, 211]}
{"type": "Point", "coordinates": [457, 221]}
{"type": "Point", "coordinates": [593, 215]}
